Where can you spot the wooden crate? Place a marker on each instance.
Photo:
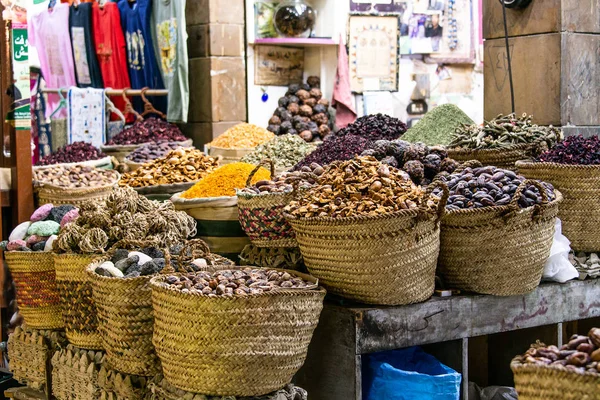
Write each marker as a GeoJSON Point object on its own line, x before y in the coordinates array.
{"type": "Point", "coordinates": [556, 78]}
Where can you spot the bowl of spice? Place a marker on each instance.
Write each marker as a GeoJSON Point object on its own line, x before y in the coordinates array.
{"type": "Point", "coordinates": [80, 153]}
{"type": "Point", "coordinates": [237, 141]}
{"type": "Point", "coordinates": [573, 167]}
{"type": "Point", "coordinates": [284, 151]}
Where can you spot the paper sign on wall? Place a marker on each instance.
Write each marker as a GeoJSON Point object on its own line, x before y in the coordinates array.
{"type": "Point", "coordinates": [278, 66]}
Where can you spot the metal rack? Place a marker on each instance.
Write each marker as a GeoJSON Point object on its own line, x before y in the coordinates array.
{"type": "Point", "coordinates": [119, 92]}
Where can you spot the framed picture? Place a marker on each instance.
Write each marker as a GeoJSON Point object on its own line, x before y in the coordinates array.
{"type": "Point", "coordinates": [373, 48]}
{"type": "Point", "coordinates": [458, 41]}
{"type": "Point", "coordinates": [278, 66]}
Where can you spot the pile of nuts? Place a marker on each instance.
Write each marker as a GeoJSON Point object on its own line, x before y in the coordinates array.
{"type": "Point", "coordinates": [178, 166]}
{"type": "Point", "coordinates": [362, 186]}
{"type": "Point", "coordinates": [490, 186]}
{"type": "Point", "coordinates": [229, 283]}
{"type": "Point", "coordinates": [283, 183]}
{"type": "Point", "coordinates": [151, 151]}
{"type": "Point", "coordinates": [76, 176]}
{"type": "Point", "coordinates": [72, 153]}
{"type": "Point", "coordinates": [581, 354]}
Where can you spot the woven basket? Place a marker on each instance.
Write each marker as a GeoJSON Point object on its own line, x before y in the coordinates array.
{"type": "Point", "coordinates": [536, 382]}
{"type": "Point", "coordinates": [237, 346]}
{"type": "Point", "coordinates": [388, 259]}
{"type": "Point", "coordinates": [501, 158]}
{"type": "Point", "coordinates": [580, 210]}
{"type": "Point", "coordinates": [35, 282]}
{"type": "Point", "coordinates": [125, 318]}
{"type": "Point", "coordinates": [261, 215]}
{"type": "Point", "coordinates": [75, 373]}
{"type": "Point", "coordinates": [117, 386]}
{"type": "Point", "coordinates": [58, 196]}
{"type": "Point", "coordinates": [78, 308]}
{"type": "Point", "coordinates": [498, 250]}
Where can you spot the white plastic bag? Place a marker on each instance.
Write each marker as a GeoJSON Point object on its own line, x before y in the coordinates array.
{"type": "Point", "coordinates": [558, 268]}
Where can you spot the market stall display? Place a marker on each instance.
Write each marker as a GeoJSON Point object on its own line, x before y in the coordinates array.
{"type": "Point", "coordinates": [284, 151]}
{"type": "Point", "coordinates": [438, 125]}
{"type": "Point", "coordinates": [487, 203]}
{"type": "Point", "coordinates": [573, 166]}
{"type": "Point", "coordinates": [237, 141]}
{"type": "Point", "coordinates": [77, 152]}
{"type": "Point", "coordinates": [551, 373]}
{"type": "Point", "coordinates": [369, 218]}
{"type": "Point", "coordinates": [75, 373]}
{"type": "Point", "coordinates": [239, 339]}
{"type": "Point", "coordinates": [502, 141]}
{"type": "Point", "coordinates": [150, 152]}
{"type": "Point", "coordinates": [303, 111]}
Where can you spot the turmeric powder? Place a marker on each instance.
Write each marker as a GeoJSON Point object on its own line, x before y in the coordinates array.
{"type": "Point", "coordinates": [224, 180]}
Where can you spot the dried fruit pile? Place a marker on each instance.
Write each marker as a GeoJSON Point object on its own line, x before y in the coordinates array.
{"type": "Point", "coordinates": [574, 150]}
{"type": "Point", "coordinates": [284, 182]}
{"type": "Point", "coordinates": [242, 136]}
{"type": "Point", "coordinates": [75, 176]}
{"type": "Point", "coordinates": [178, 166]}
{"type": "Point", "coordinates": [285, 151]}
{"type": "Point", "coordinates": [362, 186]}
{"type": "Point", "coordinates": [124, 215]}
{"type": "Point", "coordinates": [71, 153]}
{"type": "Point", "coordinates": [421, 162]}
{"type": "Point", "coordinates": [224, 181]}
{"type": "Point", "coordinates": [146, 131]}
{"type": "Point", "coordinates": [302, 111]}
{"type": "Point", "coordinates": [132, 264]}
{"type": "Point", "coordinates": [504, 131]}
{"type": "Point", "coordinates": [151, 151]}
{"type": "Point", "coordinates": [229, 283]}
{"type": "Point", "coordinates": [581, 354]}
{"type": "Point", "coordinates": [488, 187]}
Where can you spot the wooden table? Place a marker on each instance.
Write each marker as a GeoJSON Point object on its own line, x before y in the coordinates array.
{"type": "Point", "coordinates": [458, 330]}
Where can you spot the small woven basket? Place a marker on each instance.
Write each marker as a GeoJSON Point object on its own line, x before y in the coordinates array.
{"type": "Point", "coordinates": [501, 158]}
{"type": "Point", "coordinates": [58, 195]}
{"type": "Point", "coordinates": [117, 386]}
{"type": "Point", "coordinates": [75, 373]}
{"type": "Point", "coordinates": [35, 282]}
{"type": "Point", "coordinates": [498, 250]}
{"type": "Point", "coordinates": [549, 382]}
{"type": "Point", "coordinates": [261, 215]}
{"type": "Point", "coordinates": [580, 209]}
{"type": "Point", "coordinates": [388, 259]}
{"type": "Point", "coordinates": [233, 346]}
{"type": "Point", "coordinates": [124, 307]}
{"type": "Point", "coordinates": [78, 308]}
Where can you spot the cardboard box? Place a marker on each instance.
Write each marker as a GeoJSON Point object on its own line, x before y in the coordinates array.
{"type": "Point", "coordinates": [542, 16]}
{"type": "Point", "coordinates": [556, 78]}
{"type": "Point", "coordinates": [217, 89]}
{"type": "Point", "coordinates": [215, 40]}
{"type": "Point", "coordinates": [211, 11]}
{"type": "Point", "coordinates": [204, 132]}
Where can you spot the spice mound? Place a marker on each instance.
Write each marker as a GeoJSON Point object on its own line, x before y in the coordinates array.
{"type": "Point", "coordinates": [230, 283]}
{"type": "Point", "coordinates": [488, 187]}
{"type": "Point", "coordinates": [224, 180]}
{"type": "Point", "coordinates": [505, 131]}
{"type": "Point", "coordinates": [284, 183]}
{"type": "Point", "coordinates": [148, 130]}
{"type": "Point", "coordinates": [375, 127]}
{"type": "Point", "coordinates": [574, 150]}
{"type": "Point", "coordinates": [581, 354]}
{"type": "Point", "coordinates": [151, 151]}
{"type": "Point", "coordinates": [124, 215]}
{"type": "Point", "coordinates": [335, 148]}
{"type": "Point", "coordinates": [132, 264]}
{"type": "Point", "coordinates": [421, 162]}
{"type": "Point", "coordinates": [242, 136]}
{"type": "Point", "coordinates": [438, 125]}
{"type": "Point", "coordinates": [285, 151]}
{"type": "Point", "coordinates": [72, 153]}
{"type": "Point", "coordinates": [362, 186]}
{"type": "Point", "coordinates": [178, 166]}
{"type": "Point", "coordinates": [75, 177]}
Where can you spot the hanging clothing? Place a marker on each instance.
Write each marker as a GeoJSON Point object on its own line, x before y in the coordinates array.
{"type": "Point", "coordinates": [110, 48]}
{"type": "Point", "coordinates": [48, 32]}
{"type": "Point", "coordinates": [87, 69]}
{"type": "Point", "coordinates": [342, 94]}
{"type": "Point", "coordinates": [143, 69]}
{"type": "Point", "coordinates": [169, 28]}
{"type": "Point", "coordinates": [87, 116]}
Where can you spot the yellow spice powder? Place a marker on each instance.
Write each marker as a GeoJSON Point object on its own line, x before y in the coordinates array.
{"type": "Point", "coordinates": [224, 180]}
{"type": "Point", "coordinates": [243, 136]}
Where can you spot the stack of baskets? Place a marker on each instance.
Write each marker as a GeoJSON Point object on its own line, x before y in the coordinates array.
{"type": "Point", "coordinates": [502, 158]}
{"type": "Point", "coordinates": [75, 373]}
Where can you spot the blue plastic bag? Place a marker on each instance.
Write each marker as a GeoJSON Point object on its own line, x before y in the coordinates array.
{"type": "Point", "coordinates": [408, 374]}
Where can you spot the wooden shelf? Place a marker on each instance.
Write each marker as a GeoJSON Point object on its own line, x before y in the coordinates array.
{"type": "Point", "coordinates": [300, 42]}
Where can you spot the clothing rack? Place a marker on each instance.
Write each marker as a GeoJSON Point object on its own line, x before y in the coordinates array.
{"type": "Point", "coordinates": [119, 92]}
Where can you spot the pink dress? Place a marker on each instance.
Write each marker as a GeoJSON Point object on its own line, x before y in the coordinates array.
{"type": "Point", "coordinates": [48, 32]}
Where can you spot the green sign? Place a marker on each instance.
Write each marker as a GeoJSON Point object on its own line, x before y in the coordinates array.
{"type": "Point", "coordinates": [20, 45]}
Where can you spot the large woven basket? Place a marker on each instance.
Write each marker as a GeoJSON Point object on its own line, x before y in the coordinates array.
{"type": "Point", "coordinates": [233, 346]}
{"type": "Point", "coordinates": [261, 215]}
{"type": "Point", "coordinates": [124, 307]}
{"type": "Point", "coordinates": [580, 209]}
{"type": "Point", "coordinates": [501, 158]}
{"type": "Point", "coordinates": [35, 282]}
{"type": "Point", "coordinates": [58, 196]}
{"type": "Point", "coordinates": [537, 382]}
{"type": "Point", "coordinates": [78, 308]}
{"type": "Point", "coordinates": [498, 250]}
{"type": "Point", "coordinates": [388, 259]}
{"type": "Point", "coordinates": [75, 373]}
